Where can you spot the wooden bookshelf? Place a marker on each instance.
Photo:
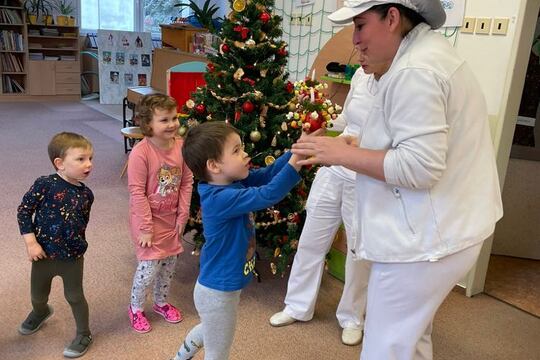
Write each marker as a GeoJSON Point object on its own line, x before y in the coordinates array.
{"type": "Point", "coordinates": [13, 49]}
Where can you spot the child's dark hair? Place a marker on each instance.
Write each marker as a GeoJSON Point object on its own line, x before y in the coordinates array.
{"type": "Point", "coordinates": [63, 141]}
{"type": "Point", "coordinates": [205, 142]}
{"type": "Point", "coordinates": [147, 106]}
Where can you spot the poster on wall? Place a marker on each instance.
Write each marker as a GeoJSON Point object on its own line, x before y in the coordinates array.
{"type": "Point", "coordinates": [455, 10]}
{"type": "Point", "coordinates": [124, 61]}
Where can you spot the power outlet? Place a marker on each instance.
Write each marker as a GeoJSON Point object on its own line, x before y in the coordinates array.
{"type": "Point", "coordinates": [500, 26]}
{"type": "Point", "coordinates": [468, 25]}
{"type": "Point", "coordinates": [306, 20]}
{"type": "Point", "coordinates": [483, 26]}
{"type": "Point", "coordinates": [296, 19]}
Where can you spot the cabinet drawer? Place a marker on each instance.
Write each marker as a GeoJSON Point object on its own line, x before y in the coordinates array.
{"type": "Point", "coordinates": [68, 89]}
{"type": "Point", "coordinates": [68, 66]}
{"type": "Point", "coordinates": [67, 78]}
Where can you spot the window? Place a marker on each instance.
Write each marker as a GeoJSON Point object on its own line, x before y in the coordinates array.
{"type": "Point", "coordinates": [135, 15]}
{"type": "Point", "coordinates": [108, 14]}
{"type": "Point", "coordinates": [129, 15]}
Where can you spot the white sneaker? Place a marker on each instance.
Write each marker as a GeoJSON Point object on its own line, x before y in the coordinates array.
{"type": "Point", "coordinates": [281, 319]}
{"type": "Point", "coordinates": [351, 336]}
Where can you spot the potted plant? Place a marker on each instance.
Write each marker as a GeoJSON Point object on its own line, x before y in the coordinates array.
{"type": "Point", "coordinates": [39, 11]}
{"type": "Point", "coordinates": [204, 17]}
{"type": "Point", "coordinates": [65, 8]}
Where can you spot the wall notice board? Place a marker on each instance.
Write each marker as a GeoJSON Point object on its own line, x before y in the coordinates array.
{"type": "Point", "coordinates": [125, 60]}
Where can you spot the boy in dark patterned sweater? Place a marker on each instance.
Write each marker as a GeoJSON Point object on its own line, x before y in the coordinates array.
{"type": "Point", "coordinates": [52, 219]}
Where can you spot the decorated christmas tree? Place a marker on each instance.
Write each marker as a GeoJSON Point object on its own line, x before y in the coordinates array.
{"type": "Point", "coordinates": [247, 86]}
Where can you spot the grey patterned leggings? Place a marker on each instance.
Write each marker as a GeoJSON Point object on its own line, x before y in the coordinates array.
{"type": "Point", "coordinates": [159, 272]}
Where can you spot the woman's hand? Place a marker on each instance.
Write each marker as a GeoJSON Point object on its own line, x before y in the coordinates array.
{"type": "Point", "coordinates": [322, 150]}
{"type": "Point", "coordinates": [145, 240]}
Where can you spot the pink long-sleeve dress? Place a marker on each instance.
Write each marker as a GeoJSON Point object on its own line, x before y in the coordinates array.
{"type": "Point", "coordinates": [160, 186]}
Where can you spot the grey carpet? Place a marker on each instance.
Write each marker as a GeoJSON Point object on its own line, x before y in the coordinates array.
{"type": "Point", "coordinates": [477, 328]}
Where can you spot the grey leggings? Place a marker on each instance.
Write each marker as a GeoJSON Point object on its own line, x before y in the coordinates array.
{"type": "Point", "coordinates": [71, 272]}
{"type": "Point", "coordinates": [148, 271]}
{"type": "Point", "coordinates": [218, 312]}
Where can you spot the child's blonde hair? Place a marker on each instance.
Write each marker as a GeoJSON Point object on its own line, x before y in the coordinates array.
{"type": "Point", "coordinates": [63, 141]}
{"type": "Point", "coordinates": [147, 106]}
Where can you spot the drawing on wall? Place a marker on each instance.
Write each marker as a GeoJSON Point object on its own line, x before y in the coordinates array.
{"type": "Point", "coordinates": [106, 57]}
{"type": "Point", "coordinates": [455, 10]}
{"type": "Point", "coordinates": [114, 77]}
{"type": "Point", "coordinates": [298, 3]}
{"type": "Point", "coordinates": [133, 59]}
{"type": "Point", "coordinates": [124, 61]}
{"type": "Point", "coordinates": [120, 58]}
{"type": "Point", "coordinates": [128, 79]}
{"type": "Point", "coordinates": [145, 59]}
{"type": "Point", "coordinates": [142, 79]}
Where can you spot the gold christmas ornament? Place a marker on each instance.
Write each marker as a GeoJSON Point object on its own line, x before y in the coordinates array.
{"type": "Point", "coordinates": [190, 104]}
{"type": "Point", "coordinates": [239, 44]}
{"type": "Point", "coordinates": [274, 141]}
{"type": "Point", "coordinates": [255, 136]}
{"type": "Point", "coordinates": [263, 72]}
{"type": "Point", "coordinates": [269, 160]}
{"type": "Point", "coordinates": [284, 126]}
{"type": "Point", "coordinates": [239, 5]}
{"type": "Point", "coordinates": [238, 74]}
{"type": "Point", "coordinates": [182, 131]}
{"type": "Point", "coordinates": [273, 268]}
{"type": "Point", "coordinates": [250, 43]}
{"type": "Point", "coordinates": [277, 252]}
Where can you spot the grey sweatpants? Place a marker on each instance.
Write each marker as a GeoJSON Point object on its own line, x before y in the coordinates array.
{"type": "Point", "coordinates": [218, 312]}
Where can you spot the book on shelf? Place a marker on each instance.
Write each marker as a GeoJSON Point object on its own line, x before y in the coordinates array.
{"type": "Point", "coordinates": [11, 40]}
{"type": "Point", "coordinates": [36, 56]}
{"type": "Point", "coordinates": [68, 57]}
{"type": "Point", "coordinates": [11, 85]}
{"type": "Point", "coordinates": [10, 16]}
{"type": "Point", "coordinates": [69, 34]}
{"type": "Point", "coordinates": [51, 57]}
{"type": "Point", "coordinates": [11, 63]}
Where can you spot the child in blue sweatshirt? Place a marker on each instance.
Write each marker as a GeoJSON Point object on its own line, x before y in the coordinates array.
{"type": "Point", "coordinates": [229, 193]}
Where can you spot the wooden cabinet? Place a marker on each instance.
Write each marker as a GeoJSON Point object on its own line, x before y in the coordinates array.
{"type": "Point", "coordinates": [54, 78]}
{"type": "Point", "coordinates": [13, 55]}
{"type": "Point", "coordinates": [54, 63]}
{"type": "Point", "coordinates": [179, 36]}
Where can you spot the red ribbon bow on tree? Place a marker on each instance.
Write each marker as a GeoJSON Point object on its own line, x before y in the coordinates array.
{"type": "Point", "coordinates": [244, 31]}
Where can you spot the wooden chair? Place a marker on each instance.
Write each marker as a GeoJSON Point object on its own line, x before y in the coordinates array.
{"type": "Point", "coordinates": [131, 134]}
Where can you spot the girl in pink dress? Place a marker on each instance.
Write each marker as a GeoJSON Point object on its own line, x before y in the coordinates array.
{"type": "Point", "coordinates": [160, 186]}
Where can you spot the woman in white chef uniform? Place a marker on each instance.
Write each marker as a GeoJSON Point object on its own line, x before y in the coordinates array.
{"type": "Point", "coordinates": [332, 201]}
{"type": "Point", "coordinates": [427, 187]}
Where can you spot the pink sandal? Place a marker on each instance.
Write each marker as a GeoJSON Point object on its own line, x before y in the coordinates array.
{"type": "Point", "coordinates": [138, 321]}
{"type": "Point", "coordinates": [169, 313]}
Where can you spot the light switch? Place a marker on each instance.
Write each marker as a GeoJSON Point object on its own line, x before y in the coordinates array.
{"type": "Point", "coordinates": [500, 26]}
{"type": "Point", "coordinates": [483, 26]}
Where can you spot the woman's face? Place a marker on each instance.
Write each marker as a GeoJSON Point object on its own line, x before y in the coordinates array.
{"type": "Point", "coordinates": [377, 39]}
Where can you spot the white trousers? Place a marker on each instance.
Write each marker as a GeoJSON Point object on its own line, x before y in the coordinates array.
{"type": "Point", "coordinates": [402, 301]}
{"type": "Point", "coordinates": [331, 201]}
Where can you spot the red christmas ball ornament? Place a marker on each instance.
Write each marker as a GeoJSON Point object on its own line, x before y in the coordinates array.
{"type": "Point", "coordinates": [224, 48]}
{"type": "Point", "coordinates": [248, 107]}
{"type": "Point", "coordinates": [289, 87]}
{"type": "Point", "coordinates": [249, 81]}
{"type": "Point", "coordinates": [211, 67]}
{"type": "Point", "coordinates": [265, 17]}
{"type": "Point", "coordinates": [200, 109]}
{"type": "Point", "coordinates": [282, 52]}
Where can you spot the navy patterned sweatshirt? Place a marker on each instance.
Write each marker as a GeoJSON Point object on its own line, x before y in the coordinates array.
{"type": "Point", "coordinates": [57, 212]}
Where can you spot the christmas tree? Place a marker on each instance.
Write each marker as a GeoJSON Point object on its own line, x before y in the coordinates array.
{"type": "Point", "coordinates": [247, 86]}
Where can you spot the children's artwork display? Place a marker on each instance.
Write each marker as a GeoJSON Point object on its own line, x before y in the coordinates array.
{"type": "Point", "coordinates": [125, 60]}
